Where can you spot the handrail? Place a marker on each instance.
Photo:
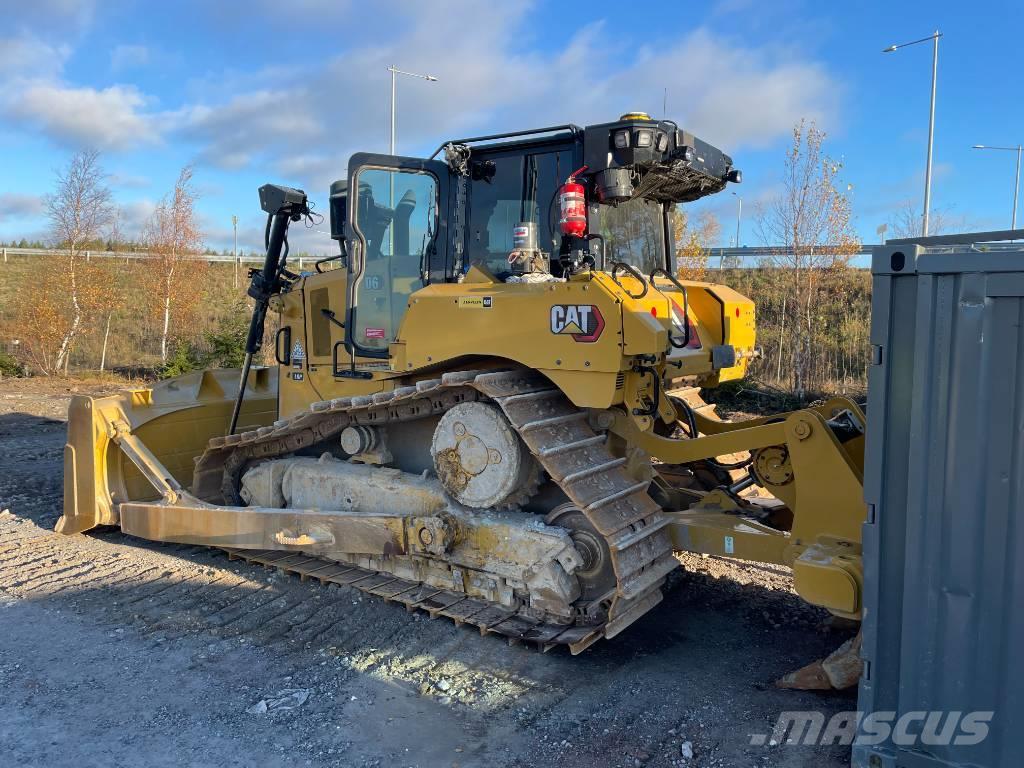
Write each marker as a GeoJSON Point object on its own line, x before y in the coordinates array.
{"type": "Point", "coordinates": [686, 307]}
{"type": "Point", "coordinates": [575, 130]}
{"type": "Point", "coordinates": [633, 271]}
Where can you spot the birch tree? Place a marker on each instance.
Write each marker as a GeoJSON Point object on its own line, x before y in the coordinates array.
{"type": "Point", "coordinates": [175, 272]}
{"type": "Point", "coordinates": [115, 242]}
{"type": "Point", "coordinates": [78, 211]}
{"type": "Point", "coordinates": [811, 220]}
{"type": "Point", "coordinates": [104, 296]}
{"type": "Point", "coordinates": [906, 222]}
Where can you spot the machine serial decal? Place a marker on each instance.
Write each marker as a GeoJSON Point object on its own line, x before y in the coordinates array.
{"type": "Point", "coordinates": [583, 322]}
{"type": "Point", "coordinates": [474, 302]}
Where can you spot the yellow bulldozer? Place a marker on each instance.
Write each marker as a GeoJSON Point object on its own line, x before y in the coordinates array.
{"type": "Point", "coordinates": [487, 404]}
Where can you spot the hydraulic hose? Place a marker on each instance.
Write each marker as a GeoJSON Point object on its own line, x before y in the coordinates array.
{"type": "Point", "coordinates": [691, 423]}
{"type": "Point", "coordinates": [264, 284]}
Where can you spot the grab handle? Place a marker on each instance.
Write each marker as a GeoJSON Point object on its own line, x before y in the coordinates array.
{"type": "Point", "coordinates": [686, 306]}
{"type": "Point", "coordinates": [631, 270]}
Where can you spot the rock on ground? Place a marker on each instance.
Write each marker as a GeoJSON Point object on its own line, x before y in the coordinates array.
{"type": "Point", "coordinates": [116, 651]}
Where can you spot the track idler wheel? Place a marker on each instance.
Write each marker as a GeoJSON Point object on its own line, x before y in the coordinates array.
{"type": "Point", "coordinates": [597, 574]}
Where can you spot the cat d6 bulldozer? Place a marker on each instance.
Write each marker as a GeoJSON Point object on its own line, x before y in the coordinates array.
{"type": "Point", "coordinates": [486, 405]}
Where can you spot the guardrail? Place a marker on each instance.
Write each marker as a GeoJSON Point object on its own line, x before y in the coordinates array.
{"type": "Point", "coordinates": [752, 256]}
{"type": "Point", "coordinates": [130, 255]}
{"type": "Point", "coordinates": [717, 257]}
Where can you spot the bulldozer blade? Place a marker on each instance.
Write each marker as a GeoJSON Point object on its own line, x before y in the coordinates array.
{"type": "Point", "coordinates": [839, 670]}
{"type": "Point", "coordinates": [174, 420]}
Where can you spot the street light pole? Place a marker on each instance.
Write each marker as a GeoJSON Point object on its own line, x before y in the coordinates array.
{"type": "Point", "coordinates": [931, 121]}
{"type": "Point", "coordinates": [1016, 187]}
{"type": "Point", "coordinates": [391, 150]}
{"type": "Point", "coordinates": [1016, 184]}
{"type": "Point", "coordinates": [395, 71]}
{"type": "Point", "coordinates": [391, 180]}
{"type": "Point", "coordinates": [739, 213]}
{"type": "Point", "coordinates": [931, 137]}
{"type": "Point", "coordinates": [234, 248]}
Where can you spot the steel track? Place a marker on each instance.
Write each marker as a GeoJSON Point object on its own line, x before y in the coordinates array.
{"type": "Point", "coordinates": [561, 438]}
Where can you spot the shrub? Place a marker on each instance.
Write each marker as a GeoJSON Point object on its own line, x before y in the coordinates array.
{"type": "Point", "coordinates": [185, 358]}
{"type": "Point", "coordinates": [227, 343]}
{"type": "Point", "coordinates": [223, 347]}
{"type": "Point", "coordinates": [9, 366]}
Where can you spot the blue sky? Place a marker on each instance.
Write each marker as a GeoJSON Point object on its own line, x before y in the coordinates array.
{"type": "Point", "coordinates": [268, 91]}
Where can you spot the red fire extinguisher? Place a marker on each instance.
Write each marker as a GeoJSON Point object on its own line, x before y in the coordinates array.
{"type": "Point", "coordinates": [573, 203]}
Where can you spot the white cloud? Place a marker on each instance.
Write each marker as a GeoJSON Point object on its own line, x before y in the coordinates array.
{"type": "Point", "coordinates": [129, 57]}
{"type": "Point", "coordinates": [120, 180]}
{"type": "Point", "coordinates": [730, 96]}
{"type": "Point", "coordinates": [308, 122]}
{"type": "Point", "coordinates": [304, 120]}
{"type": "Point", "coordinates": [232, 133]}
{"type": "Point", "coordinates": [33, 89]}
{"type": "Point", "coordinates": [301, 165]}
{"type": "Point", "coordinates": [15, 206]}
{"type": "Point", "coordinates": [108, 118]}
{"type": "Point", "coordinates": [28, 56]}
{"type": "Point", "coordinates": [133, 216]}
{"type": "Point", "coordinates": [55, 16]}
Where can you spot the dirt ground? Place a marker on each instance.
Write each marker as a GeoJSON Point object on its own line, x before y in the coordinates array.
{"type": "Point", "coordinates": [115, 651]}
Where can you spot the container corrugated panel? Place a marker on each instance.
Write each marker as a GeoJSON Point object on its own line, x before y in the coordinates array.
{"type": "Point", "coordinates": [944, 484]}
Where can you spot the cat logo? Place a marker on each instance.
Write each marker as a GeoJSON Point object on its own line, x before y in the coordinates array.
{"type": "Point", "coordinates": [583, 322]}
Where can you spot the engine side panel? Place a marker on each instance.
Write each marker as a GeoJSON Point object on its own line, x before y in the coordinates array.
{"type": "Point", "coordinates": [585, 334]}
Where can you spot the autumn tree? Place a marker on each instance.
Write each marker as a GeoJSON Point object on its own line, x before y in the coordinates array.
{"type": "Point", "coordinates": [39, 323]}
{"type": "Point", "coordinates": [78, 211]}
{"type": "Point", "coordinates": [175, 272]}
{"type": "Point", "coordinates": [810, 219]}
{"type": "Point", "coordinates": [104, 298]}
{"type": "Point", "coordinates": [105, 304]}
{"type": "Point", "coordinates": [693, 240]}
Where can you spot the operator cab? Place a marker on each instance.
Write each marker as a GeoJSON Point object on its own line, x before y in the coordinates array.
{"type": "Point", "coordinates": [498, 203]}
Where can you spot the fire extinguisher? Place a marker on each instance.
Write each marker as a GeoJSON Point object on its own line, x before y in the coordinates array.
{"type": "Point", "coordinates": [572, 201]}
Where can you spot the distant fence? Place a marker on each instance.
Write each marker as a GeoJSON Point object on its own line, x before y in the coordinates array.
{"type": "Point", "coordinates": [220, 258]}
{"type": "Point", "coordinates": [717, 257]}
{"type": "Point", "coordinates": [756, 256]}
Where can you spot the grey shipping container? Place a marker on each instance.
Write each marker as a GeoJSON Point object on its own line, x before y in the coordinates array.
{"type": "Point", "coordinates": [944, 485]}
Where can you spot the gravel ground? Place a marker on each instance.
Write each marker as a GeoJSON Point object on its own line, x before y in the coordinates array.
{"type": "Point", "coordinates": [116, 651]}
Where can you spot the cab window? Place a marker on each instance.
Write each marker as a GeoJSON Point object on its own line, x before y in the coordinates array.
{"type": "Point", "coordinates": [634, 232]}
{"type": "Point", "coordinates": [397, 217]}
{"type": "Point", "coordinates": [517, 188]}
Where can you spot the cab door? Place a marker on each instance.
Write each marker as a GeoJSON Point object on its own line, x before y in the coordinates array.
{"type": "Point", "coordinates": [397, 243]}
